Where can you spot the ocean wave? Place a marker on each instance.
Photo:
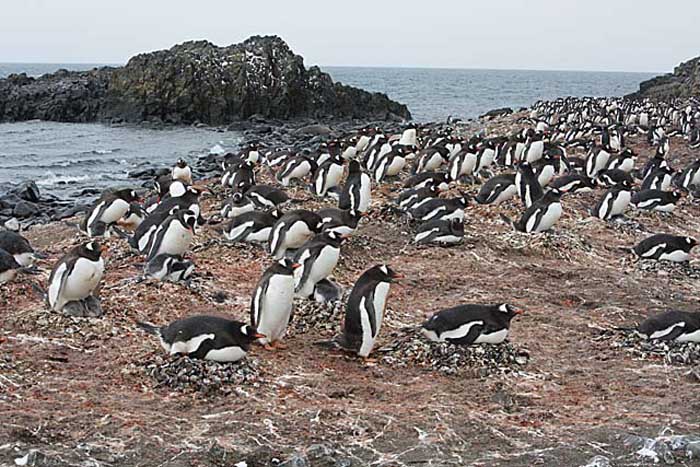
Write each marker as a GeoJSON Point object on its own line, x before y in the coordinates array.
{"type": "Point", "coordinates": [51, 179]}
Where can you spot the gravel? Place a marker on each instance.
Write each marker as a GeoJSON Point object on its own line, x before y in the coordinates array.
{"type": "Point", "coordinates": [672, 353]}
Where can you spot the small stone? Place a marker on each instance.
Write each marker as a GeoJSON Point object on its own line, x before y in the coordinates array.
{"type": "Point", "coordinates": [25, 209]}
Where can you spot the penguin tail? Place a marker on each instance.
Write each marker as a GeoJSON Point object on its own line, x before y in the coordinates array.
{"type": "Point", "coordinates": [149, 328]}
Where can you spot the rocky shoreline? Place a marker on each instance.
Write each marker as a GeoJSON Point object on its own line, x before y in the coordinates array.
{"type": "Point", "coordinates": [194, 82]}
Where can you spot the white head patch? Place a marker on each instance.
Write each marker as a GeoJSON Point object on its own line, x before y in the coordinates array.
{"type": "Point", "coordinates": [90, 246]}
{"type": "Point", "coordinates": [244, 330]}
{"type": "Point", "coordinates": [384, 269]}
{"type": "Point", "coordinates": [503, 308]}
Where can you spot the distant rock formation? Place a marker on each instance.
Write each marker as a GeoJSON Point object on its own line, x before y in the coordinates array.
{"type": "Point", "coordinates": [683, 82]}
{"type": "Point", "coordinates": [192, 82]}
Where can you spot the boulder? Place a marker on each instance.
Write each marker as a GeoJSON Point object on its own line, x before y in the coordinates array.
{"type": "Point", "coordinates": [25, 209]}
{"type": "Point", "coordinates": [683, 82]}
{"type": "Point", "coordinates": [28, 191]}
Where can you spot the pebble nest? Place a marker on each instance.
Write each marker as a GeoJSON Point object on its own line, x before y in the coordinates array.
{"type": "Point", "coordinates": [321, 318]}
{"type": "Point", "coordinates": [671, 352]}
{"type": "Point", "coordinates": [202, 376]}
{"type": "Point", "coordinates": [668, 268]}
{"type": "Point", "coordinates": [554, 244]}
{"type": "Point", "coordinates": [409, 347]}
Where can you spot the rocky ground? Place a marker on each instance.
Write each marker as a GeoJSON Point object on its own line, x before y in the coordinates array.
{"type": "Point", "coordinates": [568, 389]}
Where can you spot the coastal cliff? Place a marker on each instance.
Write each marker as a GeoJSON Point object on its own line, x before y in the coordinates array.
{"type": "Point", "coordinates": [192, 82]}
{"type": "Point", "coordinates": [683, 82]}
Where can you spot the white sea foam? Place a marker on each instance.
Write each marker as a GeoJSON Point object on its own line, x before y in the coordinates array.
{"type": "Point", "coordinates": [51, 179]}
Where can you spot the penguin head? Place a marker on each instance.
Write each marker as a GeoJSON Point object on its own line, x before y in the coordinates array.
{"type": "Point", "coordinates": [91, 250]}
{"type": "Point", "coordinates": [276, 213]}
{"type": "Point", "coordinates": [510, 310]}
{"type": "Point", "coordinates": [384, 273]}
{"type": "Point", "coordinates": [249, 334]}
{"type": "Point", "coordinates": [187, 218]}
{"type": "Point", "coordinates": [691, 241]}
{"type": "Point", "coordinates": [333, 237]}
{"type": "Point", "coordinates": [457, 226]}
{"type": "Point", "coordinates": [181, 163]}
{"type": "Point", "coordinates": [127, 195]}
{"type": "Point", "coordinates": [286, 266]}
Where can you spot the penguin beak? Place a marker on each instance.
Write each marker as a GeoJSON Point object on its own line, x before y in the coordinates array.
{"type": "Point", "coordinates": [398, 276]}
{"type": "Point", "coordinates": [296, 266]}
{"type": "Point", "coordinates": [103, 248]}
{"type": "Point", "coordinates": [257, 335]}
{"type": "Point", "coordinates": [519, 311]}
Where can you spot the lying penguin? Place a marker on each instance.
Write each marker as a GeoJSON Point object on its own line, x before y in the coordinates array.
{"type": "Point", "coordinates": [206, 337]}
{"type": "Point", "coordinates": [679, 326]}
{"type": "Point", "coordinates": [471, 324]}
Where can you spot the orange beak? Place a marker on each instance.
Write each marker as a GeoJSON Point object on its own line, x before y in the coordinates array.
{"type": "Point", "coordinates": [398, 276]}
{"type": "Point", "coordinates": [296, 266]}
{"type": "Point", "coordinates": [519, 311]}
{"type": "Point", "coordinates": [257, 335]}
{"type": "Point", "coordinates": [103, 248]}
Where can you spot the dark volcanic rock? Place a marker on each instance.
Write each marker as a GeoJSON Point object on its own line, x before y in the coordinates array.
{"type": "Point", "coordinates": [25, 209]}
{"type": "Point", "coordinates": [28, 191]}
{"type": "Point", "coordinates": [193, 83]}
{"type": "Point", "coordinates": [683, 82]}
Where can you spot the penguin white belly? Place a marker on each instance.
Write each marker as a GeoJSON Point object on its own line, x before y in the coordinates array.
{"type": "Point", "coordinates": [191, 345]}
{"type": "Point", "coordinates": [335, 176]}
{"type": "Point", "coordinates": [235, 211]}
{"type": "Point", "coordinates": [261, 236]}
{"type": "Point", "coordinates": [226, 354]}
{"type": "Point", "coordinates": [182, 174]}
{"type": "Point", "coordinates": [83, 279]}
{"type": "Point", "coordinates": [381, 293]}
{"type": "Point", "coordinates": [276, 308]}
{"type": "Point", "coordinates": [677, 256]}
{"type": "Point", "coordinates": [365, 193]}
{"type": "Point", "coordinates": [300, 171]}
{"type": "Point", "coordinates": [422, 235]}
{"type": "Point", "coordinates": [408, 137]}
{"type": "Point", "coordinates": [349, 153]}
{"type": "Point", "coordinates": [456, 214]}
{"type": "Point", "coordinates": [25, 259]}
{"type": "Point", "coordinates": [620, 204]}
{"type": "Point", "coordinates": [435, 213]}
{"type": "Point", "coordinates": [661, 208]}
{"type": "Point", "coordinates": [297, 234]}
{"type": "Point", "coordinates": [519, 150]}
{"type": "Point", "coordinates": [238, 230]}
{"type": "Point", "coordinates": [55, 288]}
{"type": "Point", "coordinates": [647, 203]}
{"type": "Point", "coordinates": [549, 218]}
{"type": "Point", "coordinates": [433, 162]}
{"type": "Point", "coordinates": [690, 337]}
{"type": "Point", "coordinates": [341, 230]}
{"type": "Point", "coordinates": [667, 331]}
{"type": "Point", "coordinates": [448, 239]}
{"type": "Point", "coordinates": [506, 194]}
{"type": "Point", "coordinates": [367, 337]}
{"type": "Point", "coordinates": [665, 183]}
{"type": "Point", "coordinates": [362, 143]}
{"type": "Point", "coordinates": [397, 164]}
{"type": "Point", "coordinates": [652, 251]}
{"type": "Point", "coordinates": [7, 276]}
{"type": "Point", "coordinates": [545, 176]}
{"type": "Point", "coordinates": [487, 159]}
{"type": "Point", "coordinates": [176, 240]}
{"type": "Point", "coordinates": [493, 338]}
{"type": "Point", "coordinates": [320, 269]}
{"type": "Point", "coordinates": [93, 215]}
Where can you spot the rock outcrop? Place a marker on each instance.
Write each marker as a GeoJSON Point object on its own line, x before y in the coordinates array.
{"type": "Point", "coordinates": [683, 82]}
{"type": "Point", "coordinates": [193, 82]}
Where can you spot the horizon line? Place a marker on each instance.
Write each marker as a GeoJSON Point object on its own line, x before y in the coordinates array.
{"type": "Point", "coordinates": [409, 67]}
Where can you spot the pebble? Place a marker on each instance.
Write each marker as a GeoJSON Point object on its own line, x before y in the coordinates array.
{"type": "Point", "coordinates": [673, 353]}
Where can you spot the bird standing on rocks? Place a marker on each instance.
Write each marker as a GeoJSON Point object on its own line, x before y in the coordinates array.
{"type": "Point", "coordinates": [74, 279]}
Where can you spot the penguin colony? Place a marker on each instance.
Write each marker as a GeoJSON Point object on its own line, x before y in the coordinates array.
{"type": "Point", "coordinates": [564, 147]}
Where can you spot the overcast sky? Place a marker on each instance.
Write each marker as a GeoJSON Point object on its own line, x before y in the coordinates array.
{"type": "Point", "coordinates": [610, 35]}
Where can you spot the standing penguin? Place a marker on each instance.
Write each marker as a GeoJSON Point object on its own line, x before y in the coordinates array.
{"type": "Point", "coordinates": [181, 171]}
{"type": "Point", "coordinates": [317, 259]}
{"type": "Point", "coordinates": [529, 188]}
{"type": "Point", "coordinates": [364, 311]}
{"type": "Point", "coordinates": [614, 202]}
{"type": "Point", "coordinates": [357, 191]}
{"type": "Point", "coordinates": [174, 235]}
{"type": "Point", "coordinates": [206, 337]}
{"type": "Point", "coordinates": [75, 277]}
{"type": "Point", "coordinates": [106, 211]}
{"type": "Point", "coordinates": [541, 216]}
{"type": "Point", "coordinates": [327, 176]}
{"type": "Point", "coordinates": [471, 324]}
{"type": "Point", "coordinates": [292, 230]}
{"type": "Point", "coordinates": [273, 301]}
{"type": "Point", "coordinates": [665, 247]}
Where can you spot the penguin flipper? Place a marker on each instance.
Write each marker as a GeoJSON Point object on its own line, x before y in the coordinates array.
{"type": "Point", "coordinates": [470, 337]}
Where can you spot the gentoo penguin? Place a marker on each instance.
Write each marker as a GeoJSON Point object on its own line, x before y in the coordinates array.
{"type": "Point", "coordinates": [133, 217]}
{"type": "Point", "coordinates": [340, 221]}
{"type": "Point", "coordinates": [573, 183]}
{"type": "Point", "coordinates": [679, 326]}
{"type": "Point", "coordinates": [294, 168]}
{"type": "Point", "coordinates": [665, 247]}
{"type": "Point", "coordinates": [471, 324]}
{"type": "Point", "coordinates": [430, 159]}
{"type": "Point", "coordinates": [106, 211]}
{"type": "Point", "coordinates": [596, 161]}
{"type": "Point", "coordinates": [249, 153]}
{"type": "Point", "coordinates": [278, 157]}
{"type": "Point", "coordinates": [239, 177]}
{"type": "Point", "coordinates": [613, 177]}
{"type": "Point", "coordinates": [463, 163]}
{"type": "Point", "coordinates": [529, 188]}
{"type": "Point", "coordinates": [690, 175]}
{"type": "Point", "coordinates": [205, 337]}
{"type": "Point", "coordinates": [327, 291]}
{"type": "Point", "coordinates": [623, 161]}
{"type": "Point", "coordinates": [273, 300]}
{"type": "Point", "coordinates": [613, 203]}
{"type": "Point", "coordinates": [170, 268]}
{"type": "Point", "coordinates": [252, 227]}
{"type": "Point", "coordinates": [409, 197]}
{"type": "Point", "coordinates": [545, 169]}
{"type": "Point", "coordinates": [9, 267]}
{"type": "Point", "coordinates": [441, 232]}
{"type": "Point", "coordinates": [497, 189]}
{"type": "Point", "coordinates": [541, 216]}
{"type": "Point", "coordinates": [181, 171]}
{"type": "Point", "coordinates": [317, 259]}
{"type": "Point", "coordinates": [76, 276]}
{"type": "Point", "coordinates": [186, 198]}
{"type": "Point", "coordinates": [327, 176]}
{"type": "Point", "coordinates": [357, 191]}
{"type": "Point", "coordinates": [266, 196]}
{"type": "Point", "coordinates": [425, 179]}
{"type": "Point", "coordinates": [656, 162]}
{"type": "Point", "coordinates": [655, 200]}
{"type": "Point", "coordinates": [659, 179]}
{"type": "Point", "coordinates": [174, 235]}
{"type": "Point", "coordinates": [365, 308]}
{"type": "Point", "coordinates": [292, 230]}
{"type": "Point", "coordinates": [390, 164]}
{"type": "Point", "coordinates": [236, 205]}
{"type": "Point", "coordinates": [440, 208]}
{"type": "Point", "coordinates": [17, 246]}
